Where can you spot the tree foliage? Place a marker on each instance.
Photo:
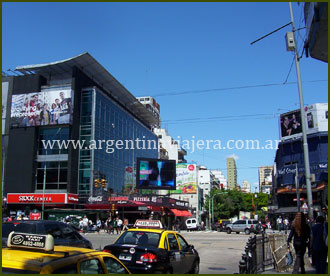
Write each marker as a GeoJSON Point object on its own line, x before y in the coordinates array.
{"type": "Point", "coordinates": [229, 203]}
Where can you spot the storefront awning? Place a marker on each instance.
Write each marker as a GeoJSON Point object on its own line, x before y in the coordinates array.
{"type": "Point", "coordinates": [185, 213]}
{"type": "Point", "coordinates": [181, 213]}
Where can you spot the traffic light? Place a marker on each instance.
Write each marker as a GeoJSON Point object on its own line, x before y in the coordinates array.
{"type": "Point", "coordinates": [103, 183]}
{"type": "Point", "coordinates": [96, 183]}
{"type": "Point", "coordinates": [113, 207]}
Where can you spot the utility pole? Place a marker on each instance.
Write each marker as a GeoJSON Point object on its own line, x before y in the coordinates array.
{"type": "Point", "coordinates": [303, 123]}
{"type": "Point", "coordinates": [297, 189]}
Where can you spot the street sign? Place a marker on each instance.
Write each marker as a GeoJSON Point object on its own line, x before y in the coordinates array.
{"type": "Point", "coordinates": [304, 206]}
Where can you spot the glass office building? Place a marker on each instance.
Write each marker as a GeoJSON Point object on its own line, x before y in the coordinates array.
{"type": "Point", "coordinates": [77, 100]}
{"type": "Point", "coordinates": [102, 124]}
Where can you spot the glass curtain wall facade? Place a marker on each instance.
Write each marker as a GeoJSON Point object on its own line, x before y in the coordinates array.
{"type": "Point", "coordinates": [52, 155]}
{"type": "Point", "coordinates": [103, 120]}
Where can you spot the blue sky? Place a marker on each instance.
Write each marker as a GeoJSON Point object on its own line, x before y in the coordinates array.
{"type": "Point", "coordinates": [159, 48]}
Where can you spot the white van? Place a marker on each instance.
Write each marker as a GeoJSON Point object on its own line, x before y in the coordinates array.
{"type": "Point", "coordinates": [192, 224]}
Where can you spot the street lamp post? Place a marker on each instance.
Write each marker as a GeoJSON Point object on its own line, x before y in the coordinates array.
{"type": "Point", "coordinates": [303, 123]}
{"type": "Point", "coordinates": [43, 192]}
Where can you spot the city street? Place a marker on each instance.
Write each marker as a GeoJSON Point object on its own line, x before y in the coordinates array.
{"type": "Point", "coordinates": [219, 252]}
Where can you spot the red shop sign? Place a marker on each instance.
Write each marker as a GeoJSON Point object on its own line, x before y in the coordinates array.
{"type": "Point", "coordinates": [27, 198]}
{"type": "Point", "coordinates": [35, 216]}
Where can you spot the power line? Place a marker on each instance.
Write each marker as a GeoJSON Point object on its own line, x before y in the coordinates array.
{"type": "Point", "coordinates": [219, 119]}
{"type": "Point", "coordinates": [229, 88]}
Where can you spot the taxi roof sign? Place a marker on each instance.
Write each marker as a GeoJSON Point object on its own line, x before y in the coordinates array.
{"type": "Point", "coordinates": [144, 223]}
{"type": "Point", "coordinates": [33, 241]}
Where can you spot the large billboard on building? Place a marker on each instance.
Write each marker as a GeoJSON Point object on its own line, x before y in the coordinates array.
{"type": "Point", "coordinates": [186, 178]}
{"type": "Point", "coordinates": [155, 174]}
{"type": "Point", "coordinates": [53, 107]}
{"type": "Point", "coordinates": [316, 121]}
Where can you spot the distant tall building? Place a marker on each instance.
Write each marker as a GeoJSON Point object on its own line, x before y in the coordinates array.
{"type": "Point", "coordinates": [265, 179]}
{"type": "Point", "coordinates": [154, 108]}
{"type": "Point", "coordinates": [220, 178]}
{"type": "Point", "coordinates": [246, 186]}
{"type": "Point", "coordinates": [231, 173]}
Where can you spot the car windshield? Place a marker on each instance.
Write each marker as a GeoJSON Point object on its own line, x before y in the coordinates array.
{"type": "Point", "coordinates": [139, 238]}
{"type": "Point", "coordinates": [17, 227]}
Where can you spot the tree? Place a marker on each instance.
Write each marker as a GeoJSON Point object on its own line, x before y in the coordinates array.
{"type": "Point", "coordinates": [229, 204]}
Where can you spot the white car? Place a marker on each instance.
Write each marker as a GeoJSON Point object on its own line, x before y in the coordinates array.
{"type": "Point", "coordinates": [192, 224]}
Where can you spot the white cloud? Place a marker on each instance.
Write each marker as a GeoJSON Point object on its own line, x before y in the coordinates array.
{"type": "Point", "coordinates": [233, 156]}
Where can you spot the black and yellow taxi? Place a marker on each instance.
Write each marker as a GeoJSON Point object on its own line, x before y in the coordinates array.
{"type": "Point", "coordinates": [148, 248]}
{"type": "Point", "coordinates": [36, 254]}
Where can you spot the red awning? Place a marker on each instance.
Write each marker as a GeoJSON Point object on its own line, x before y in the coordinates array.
{"type": "Point", "coordinates": [176, 212]}
{"type": "Point", "coordinates": [185, 213]}
{"type": "Point", "coordinates": [181, 213]}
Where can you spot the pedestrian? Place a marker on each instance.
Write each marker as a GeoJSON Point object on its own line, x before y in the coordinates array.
{"type": "Point", "coordinates": [111, 230]}
{"type": "Point", "coordinates": [125, 227]}
{"type": "Point", "coordinates": [300, 232]}
{"type": "Point", "coordinates": [319, 248]}
{"type": "Point", "coordinates": [119, 225]}
{"type": "Point", "coordinates": [81, 224]}
{"type": "Point", "coordinates": [279, 223]}
{"type": "Point", "coordinates": [85, 224]}
{"type": "Point", "coordinates": [286, 225]}
{"type": "Point", "coordinates": [114, 225]}
{"type": "Point", "coordinates": [98, 225]}
{"type": "Point", "coordinates": [202, 225]}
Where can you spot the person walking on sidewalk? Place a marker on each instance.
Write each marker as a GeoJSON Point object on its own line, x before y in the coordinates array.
{"type": "Point", "coordinates": [300, 232]}
{"type": "Point", "coordinates": [319, 248]}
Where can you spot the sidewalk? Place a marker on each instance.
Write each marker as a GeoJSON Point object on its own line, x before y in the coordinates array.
{"type": "Point", "coordinates": [308, 267]}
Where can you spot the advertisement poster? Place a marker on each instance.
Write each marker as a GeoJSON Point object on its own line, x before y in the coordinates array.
{"type": "Point", "coordinates": [186, 179]}
{"type": "Point", "coordinates": [42, 108]}
{"type": "Point", "coordinates": [316, 120]}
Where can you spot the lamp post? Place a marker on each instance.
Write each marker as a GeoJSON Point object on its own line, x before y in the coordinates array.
{"type": "Point", "coordinates": [43, 192]}
{"type": "Point", "coordinates": [303, 122]}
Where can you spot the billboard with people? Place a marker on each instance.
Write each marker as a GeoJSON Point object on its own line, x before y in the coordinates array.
{"type": "Point", "coordinates": [42, 108]}
{"type": "Point", "coordinates": [316, 118]}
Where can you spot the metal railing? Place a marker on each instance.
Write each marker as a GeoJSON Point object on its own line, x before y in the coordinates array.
{"type": "Point", "coordinates": [257, 255]}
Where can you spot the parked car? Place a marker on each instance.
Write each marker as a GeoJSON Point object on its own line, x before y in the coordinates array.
{"type": "Point", "coordinates": [192, 224]}
{"type": "Point", "coordinates": [244, 225]}
{"type": "Point", "coordinates": [36, 254]}
{"type": "Point", "coordinates": [64, 234]}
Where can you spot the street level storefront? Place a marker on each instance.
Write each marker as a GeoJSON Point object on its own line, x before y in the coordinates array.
{"type": "Point", "coordinates": [23, 203]}
{"type": "Point", "coordinates": [290, 179]}
{"type": "Point", "coordinates": [133, 207]}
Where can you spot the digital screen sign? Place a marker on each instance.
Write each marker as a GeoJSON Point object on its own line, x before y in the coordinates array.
{"type": "Point", "coordinates": [156, 174]}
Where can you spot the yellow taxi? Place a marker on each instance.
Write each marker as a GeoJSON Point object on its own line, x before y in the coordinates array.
{"type": "Point", "coordinates": [36, 254]}
{"type": "Point", "coordinates": [148, 248]}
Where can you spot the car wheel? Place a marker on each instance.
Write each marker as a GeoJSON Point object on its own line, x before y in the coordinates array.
{"type": "Point", "coordinates": [228, 231]}
{"type": "Point", "coordinates": [237, 232]}
{"type": "Point", "coordinates": [195, 268]}
{"type": "Point", "coordinates": [247, 231]}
